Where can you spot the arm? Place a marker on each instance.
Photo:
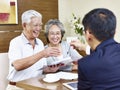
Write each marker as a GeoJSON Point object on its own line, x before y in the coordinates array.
{"type": "Point", "coordinates": [24, 63]}
{"type": "Point", "coordinates": [21, 58]}
{"type": "Point", "coordinates": [80, 46]}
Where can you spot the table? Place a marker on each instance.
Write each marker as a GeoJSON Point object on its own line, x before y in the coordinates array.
{"type": "Point", "coordinates": [37, 83]}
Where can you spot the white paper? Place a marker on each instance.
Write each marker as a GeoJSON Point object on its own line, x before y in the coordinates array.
{"type": "Point", "coordinates": [50, 78]}
{"type": "Point", "coordinates": [53, 77]}
{"type": "Point", "coordinates": [64, 61]}
{"type": "Point", "coordinates": [67, 75]}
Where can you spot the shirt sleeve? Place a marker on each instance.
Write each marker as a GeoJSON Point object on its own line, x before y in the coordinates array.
{"type": "Point", "coordinates": [73, 53]}
{"type": "Point", "coordinates": [14, 51]}
{"type": "Point", "coordinates": [13, 54]}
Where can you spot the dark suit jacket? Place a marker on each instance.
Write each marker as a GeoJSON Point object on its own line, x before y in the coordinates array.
{"type": "Point", "coordinates": [101, 69]}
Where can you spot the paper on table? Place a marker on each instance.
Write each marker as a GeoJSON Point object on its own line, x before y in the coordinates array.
{"type": "Point", "coordinates": [67, 75]}
{"type": "Point", "coordinates": [50, 78]}
{"type": "Point", "coordinates": [53, 77]}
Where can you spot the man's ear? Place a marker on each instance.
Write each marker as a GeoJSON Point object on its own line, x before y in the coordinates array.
{"type": "Point", "coordinates": [89, 35]}
{"type": "Point", "coordinates": [24, 25]}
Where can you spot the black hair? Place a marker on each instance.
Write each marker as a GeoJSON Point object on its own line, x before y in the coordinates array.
{"type": "Point", "coordinates": [101, 22]}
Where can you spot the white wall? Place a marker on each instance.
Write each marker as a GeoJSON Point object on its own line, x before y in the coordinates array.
{"type": "Point", "coordinates": [81, 7]}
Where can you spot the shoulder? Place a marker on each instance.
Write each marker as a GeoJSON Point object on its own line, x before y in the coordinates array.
{"type": "Point", "coordinates": [64, 43]}
{"type": "Point", "coordinates": [16, 39]}
{"type": "Point", "coordinates": [90, 59]}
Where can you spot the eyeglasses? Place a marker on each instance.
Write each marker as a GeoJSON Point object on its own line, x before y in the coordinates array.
{"type": "Point", "coordinates": [53, 34]}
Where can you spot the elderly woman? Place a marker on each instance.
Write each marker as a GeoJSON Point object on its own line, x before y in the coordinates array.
{"type": "Point", "coordinates": [54, 32]}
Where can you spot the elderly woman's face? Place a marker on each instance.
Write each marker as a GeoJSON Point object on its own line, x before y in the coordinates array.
{"type": "Point", "coordinates": [54, 35]}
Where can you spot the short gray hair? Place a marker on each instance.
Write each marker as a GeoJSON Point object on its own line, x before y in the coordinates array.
{"type": "Point", "coordinates": [52, 22]}
{"type": "Point", "coordinates": [27, 15]}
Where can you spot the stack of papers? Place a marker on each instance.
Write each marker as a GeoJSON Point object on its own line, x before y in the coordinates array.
{"type": "Point", "coordinates": [64, 61]}
{"type": "Point", "coordinates": [67, 75]}
{"type": "Point", "coordinates": [53, 77]}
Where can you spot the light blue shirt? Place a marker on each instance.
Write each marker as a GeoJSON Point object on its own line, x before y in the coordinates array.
{"type": "Point", "coordinates": [67, 51]}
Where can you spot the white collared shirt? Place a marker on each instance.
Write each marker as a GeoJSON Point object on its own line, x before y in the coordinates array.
{"type": "Point", "coordinates": [21, 48]}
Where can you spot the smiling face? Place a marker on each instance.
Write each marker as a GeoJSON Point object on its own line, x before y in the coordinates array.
{"type": "Point", "coordinates": [32, 29]}
{"type": "Point", "coordinates": [54, 35]}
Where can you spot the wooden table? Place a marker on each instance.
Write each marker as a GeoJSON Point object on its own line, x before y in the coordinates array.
{"type": "Point", "coordinates": [38, 84]}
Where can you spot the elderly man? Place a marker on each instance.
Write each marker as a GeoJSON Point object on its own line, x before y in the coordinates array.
{"type": "Point", "coordinates": [26, 52]}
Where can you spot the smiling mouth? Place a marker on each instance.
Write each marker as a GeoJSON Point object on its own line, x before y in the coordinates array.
{"type": "Point", "coordinates": [36, 32]}
{"type": "Point", "coordinates": [55, 40]}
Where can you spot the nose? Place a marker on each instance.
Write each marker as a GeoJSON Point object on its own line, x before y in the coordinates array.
{"type": "Point", "coordinates": [55, 36]}
{"type": "Point", "coordinates": [39, 28]}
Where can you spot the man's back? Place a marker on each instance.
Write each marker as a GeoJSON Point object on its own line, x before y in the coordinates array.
{"type": "Point", "coordinates": [102, 68]}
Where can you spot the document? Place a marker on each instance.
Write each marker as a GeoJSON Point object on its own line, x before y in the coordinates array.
{"type": "Point", "coordinates": [53, 77]}
{"type": "Point", "coordinates": [64, 61]}
{"type": "Point", "coordinates": [67, 75]}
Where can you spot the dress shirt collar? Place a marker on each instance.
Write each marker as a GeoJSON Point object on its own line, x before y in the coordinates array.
{"type": "Point", "coordinates": [104, 44]}
{"type": "Point", "coordinates": [25, 40]}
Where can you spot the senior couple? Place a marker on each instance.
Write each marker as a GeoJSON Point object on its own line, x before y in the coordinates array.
{"type": "Point", "coordinates": [27, 53]}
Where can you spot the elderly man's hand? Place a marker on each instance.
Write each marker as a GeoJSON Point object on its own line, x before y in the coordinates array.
{"type": "Point", "coordinates": [51, 51]}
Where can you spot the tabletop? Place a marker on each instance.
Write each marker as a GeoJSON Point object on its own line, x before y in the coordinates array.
{"type": "Point", "coordinates": [37, 83]}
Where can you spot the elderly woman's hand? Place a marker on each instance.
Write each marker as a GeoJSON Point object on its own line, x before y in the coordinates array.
{"type": "Point", "coordinates": [52, 68]}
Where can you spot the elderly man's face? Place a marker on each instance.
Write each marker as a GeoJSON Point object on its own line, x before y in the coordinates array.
{"type": "Point", "coordinates": [33, 28]}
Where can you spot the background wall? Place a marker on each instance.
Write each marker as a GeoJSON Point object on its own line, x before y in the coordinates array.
{"type": "Point", "coordinates": [81, 7]}
{"type": "Point", "coordinates": [54, 9]}
{"type": "Point", "coordinates": [48, 8]}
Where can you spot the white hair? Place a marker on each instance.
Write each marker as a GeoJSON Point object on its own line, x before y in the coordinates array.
{"type": "Point", "coordinates": [27, 15]}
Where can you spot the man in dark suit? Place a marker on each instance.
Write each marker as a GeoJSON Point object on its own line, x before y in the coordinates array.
{"type": "Point", "coordinates": [101, 69]}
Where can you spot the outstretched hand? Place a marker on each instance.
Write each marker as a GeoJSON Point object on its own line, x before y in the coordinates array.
{"type": "Point", "coordinates": [51, 51]}
{"type": "Point", "coordinates": [78, 45]}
